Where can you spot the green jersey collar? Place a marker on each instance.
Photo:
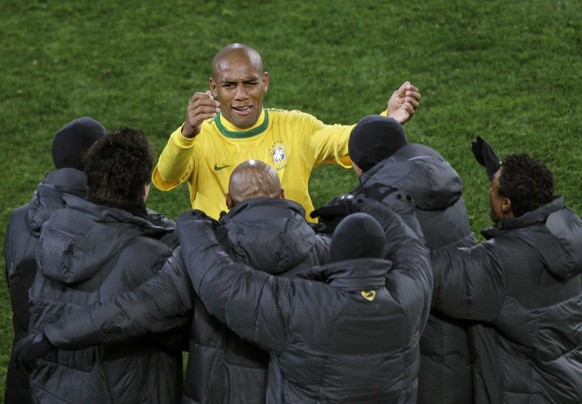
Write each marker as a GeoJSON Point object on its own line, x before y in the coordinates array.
{"type": "Point", "coordinates": [242, 134]}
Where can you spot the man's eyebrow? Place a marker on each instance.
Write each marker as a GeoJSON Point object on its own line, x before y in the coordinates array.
{"type": "Point", "coordinates": [246, 80]}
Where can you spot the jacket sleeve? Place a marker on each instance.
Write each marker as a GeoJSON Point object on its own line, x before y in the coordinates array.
{"type": "Point", "coordinates": [469, 282]}
{"type": "Point", "coordinates": [255, 305]}
{"type": "Point", "coordinates": [160, 304]}
{"type": "Point", "coordinates": [176, 162]}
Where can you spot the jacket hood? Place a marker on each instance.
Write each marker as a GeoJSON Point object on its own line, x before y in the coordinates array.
{"type": "Point", "coordinates": [559, 241]}
{"type": "Point", "coordinates": [271, 235]}
{"type": "Point", "coordinates": [77, 241]}
{"type": "Point", "coordinates": [48, 195]}
{"type": "Point", "coordinates": [351, 275]}
{"type": "Point", "coordinates": [426, 175]}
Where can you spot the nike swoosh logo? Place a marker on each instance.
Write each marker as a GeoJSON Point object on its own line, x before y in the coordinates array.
{"type": "Point", "coordinates": [218, 168]}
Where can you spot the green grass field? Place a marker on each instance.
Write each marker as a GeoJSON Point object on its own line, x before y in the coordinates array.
{"type": "Point", "coordinates": [508, 71]}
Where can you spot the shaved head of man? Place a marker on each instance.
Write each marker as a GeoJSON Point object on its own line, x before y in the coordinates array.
{"type": "Point", "coordinates": [253, 179]}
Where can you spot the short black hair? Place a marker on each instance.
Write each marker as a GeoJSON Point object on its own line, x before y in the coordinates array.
{"type": "Point", "coordinates": [118, 166]}
{"type": "Point", "coordinates": [527, 182]}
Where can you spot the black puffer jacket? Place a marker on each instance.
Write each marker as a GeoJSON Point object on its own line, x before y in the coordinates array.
{"type": "Point", "coordinates": [20, 246]}
{"type": "Point", "coordinates": [273, 236]}
{"type": "Point", "coordinates": [87, 253]}
{"type": "Point", "coordinates": [524, 287]}
{"type": "Point", "coordinates": [445, 367]}
{"type": "Point", "coordinates": [272, 233]}
{"type": "Point", "coordinates": [347, 333]}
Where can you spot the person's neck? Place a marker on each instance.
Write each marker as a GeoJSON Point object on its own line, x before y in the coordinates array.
{"type": "Point", "coordinates": [135, 208]}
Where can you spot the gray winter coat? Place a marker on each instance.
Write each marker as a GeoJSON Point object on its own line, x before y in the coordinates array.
{"type": "Point", "coordinates": [445, 369]}
{"type": "Point", "coordinates": [273, 236]}
{"type": "Point", "coordinates": [327, 341]}
{"type": "Point", "coordinates": [524, 287]}
{"type": "Point", "coordinates": [20, 246]}
{"type": "Point", "coordinates": [269, 233]}
{"type": "Point", "coordinates": [87, 253]}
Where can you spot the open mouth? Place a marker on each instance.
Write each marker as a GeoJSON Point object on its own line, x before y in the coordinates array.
{"type": "Point", "coordinates": [243, 110]}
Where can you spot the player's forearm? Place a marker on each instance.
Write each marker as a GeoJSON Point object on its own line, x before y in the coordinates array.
{"type": "Point", "coordinates": [160, 304]}
{"type": "Point", "coordinates": [175, 163]}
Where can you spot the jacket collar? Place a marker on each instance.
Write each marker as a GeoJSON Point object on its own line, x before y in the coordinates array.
{"type": "Point", "coordinates": [257, 203]}
{"type": "Point", "coordinates": [538, 216]}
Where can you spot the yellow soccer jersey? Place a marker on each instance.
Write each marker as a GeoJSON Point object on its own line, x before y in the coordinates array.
{"type": "Point", "coordinates": [292, 142]}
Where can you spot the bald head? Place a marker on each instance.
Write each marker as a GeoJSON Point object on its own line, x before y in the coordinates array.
{"type": "Point", "coordinates": [253, 179]}
{"type": "Point", "coordinates": [237, 51]}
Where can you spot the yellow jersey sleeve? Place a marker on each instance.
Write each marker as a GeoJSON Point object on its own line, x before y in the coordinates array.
{"type": "Point", "coordinates": [175, 164]}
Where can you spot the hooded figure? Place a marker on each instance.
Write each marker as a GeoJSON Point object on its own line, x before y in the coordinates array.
{"type": "Point", "coordinates": [527, 308]}
{"type": "Point", "coordinates": [360, 345]}
{"type": "Point", "coordinates": [20, 244]}
{"type": "Point", "coordinates": [389, 166]}
{"type": "Point", "coordinates": [90, 250]}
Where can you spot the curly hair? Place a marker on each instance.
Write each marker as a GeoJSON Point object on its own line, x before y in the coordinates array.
{"type": "Point", "coordinates": [527, 182]}
{"type": "Point", "coordinates": [118, 166]}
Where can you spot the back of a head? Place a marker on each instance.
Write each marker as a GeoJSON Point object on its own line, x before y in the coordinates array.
{"type": "Point", "coordinates": [73, 140]}
{"type": "Point", "coordinates": [374, 139]}
{"type": "Point", "coordinates": [253, 179]}
{"type": "Point", "coordinates": [118, 166]}
{"type": "Point", "coordinates": [527, 182]}
{"type": "Point", "coordinates": [358, 235]}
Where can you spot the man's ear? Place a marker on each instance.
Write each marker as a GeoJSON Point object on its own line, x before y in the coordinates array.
{"type": "Point", "coordinates": [506, 207]}
{"type": "Point", "coordinates": [282, 194]}
{"type": "Point", "coordinates": [229, 202]}
{"type": "Point", "coordinates": [212, 87]}
{"type": "Point", "coordinates": [146, 191]}
{"type": "Point", "coordinates": [266, 81]}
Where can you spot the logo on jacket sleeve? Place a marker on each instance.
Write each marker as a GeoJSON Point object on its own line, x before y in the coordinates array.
{"type": "Point", "coordinates": [368, 294]}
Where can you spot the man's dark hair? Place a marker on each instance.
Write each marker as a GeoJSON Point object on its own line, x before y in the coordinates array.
{"type": "Point", "coordinates": [118, 166]}
{"type": "Point", "coordinates": [527, 182]}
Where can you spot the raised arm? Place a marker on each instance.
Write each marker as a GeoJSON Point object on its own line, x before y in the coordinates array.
{"type": "Point", "coordinates": [254, 304]}
{"type": "Point", "coordinates": [176, 162]}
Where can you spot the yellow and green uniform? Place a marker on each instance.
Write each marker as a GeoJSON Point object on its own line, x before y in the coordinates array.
{"type": "Point", "coordinates": [292, 142]}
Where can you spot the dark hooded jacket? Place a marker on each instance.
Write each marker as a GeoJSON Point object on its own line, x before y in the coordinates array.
{"type": "Point", "coordinates": [445, 369]}
{"type": "Point", "coordinates": [524, 287]}
{"type": "Point", "coordinates": [269, 233]}
{"type": "Point", "coordinates": [88, 252]}
{"type": "Point", "coordinates": [348, 332]}
{"type": "Point", "coordinates": [20, 246]}
{"type": "Point", "coordinates": [273, 236]}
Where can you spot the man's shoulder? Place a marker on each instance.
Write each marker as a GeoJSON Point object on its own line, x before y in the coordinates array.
{"type": "Point", "coordinates": [277, 113]}
{"type": "Point", "coordinates": [17, 215]}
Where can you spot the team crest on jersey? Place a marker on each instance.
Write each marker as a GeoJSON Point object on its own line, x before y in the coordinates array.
{"type": "Point", "coordinates": [278, 154]}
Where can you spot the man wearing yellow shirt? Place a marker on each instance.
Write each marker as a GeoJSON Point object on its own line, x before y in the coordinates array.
{"type": "Point", "coordinates": [219, 135]}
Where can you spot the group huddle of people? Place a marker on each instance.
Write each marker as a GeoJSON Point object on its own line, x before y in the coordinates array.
{"type": "Point", "coordinates": [381, 295]}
